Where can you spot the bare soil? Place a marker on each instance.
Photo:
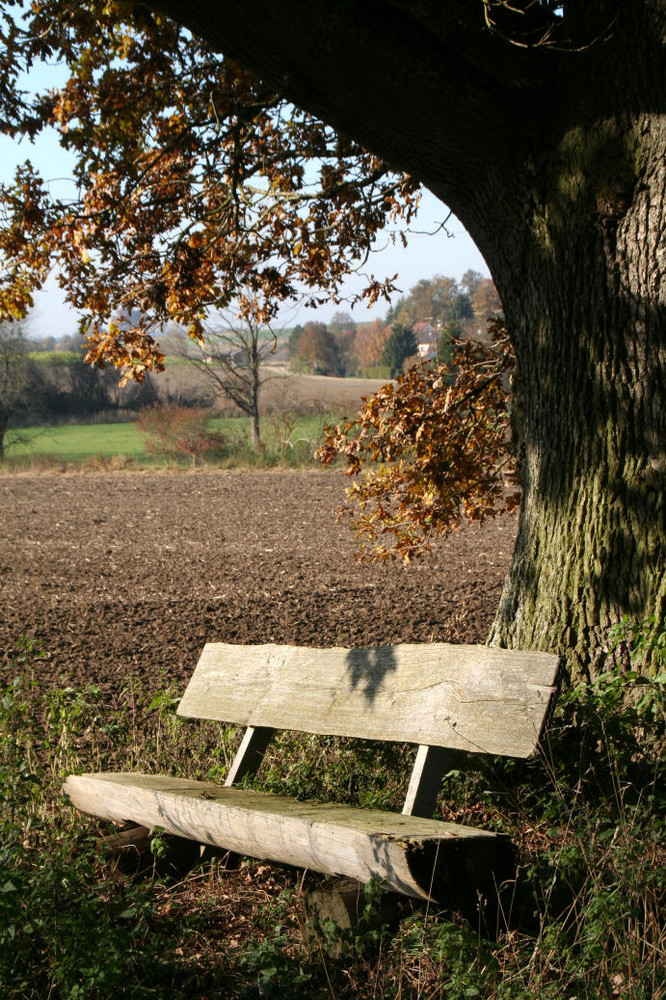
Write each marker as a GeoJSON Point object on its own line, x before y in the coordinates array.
{"type": "Point", "coordinates": [128, 575]}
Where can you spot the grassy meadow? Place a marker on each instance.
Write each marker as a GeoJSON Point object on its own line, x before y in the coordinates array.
{"type": "Point", "coordinates": [295, 409]}
{"type": "Point", "coordinates": [75, 442]}
{"type": "Point", "coordinates": [289, 439]}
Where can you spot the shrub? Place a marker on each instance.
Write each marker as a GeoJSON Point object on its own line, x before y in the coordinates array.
{"type": "Point", "coordinates": [174, 432]}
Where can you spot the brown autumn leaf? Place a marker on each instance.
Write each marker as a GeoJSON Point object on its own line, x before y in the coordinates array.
{"type": "Point", "coordinates": [198, 186]}
{"type": "Point", "coordinates": [429, 450]}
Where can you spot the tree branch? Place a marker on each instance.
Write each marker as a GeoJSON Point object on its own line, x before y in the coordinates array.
{"type": "Point", "coordinates": [452, 86]}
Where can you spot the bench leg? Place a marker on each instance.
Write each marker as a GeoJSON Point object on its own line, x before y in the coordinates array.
{"type": "Point", "coordinates": [129, 853]}
{"type": "Point", "coordinates": [425, 784]}
{"type": "Point", "coordinates": [342, 902]}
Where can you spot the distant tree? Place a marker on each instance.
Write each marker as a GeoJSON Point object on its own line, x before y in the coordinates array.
{"type": "Point", "coordinates": [460, 309]}
{"type": "Point", "coordinates": [450, 332]}
{"type": "Point", "coordinates": [345, 341]}
{"type": "Point", "coordinates": [435, 300]}
{"type": "Point", "coordinates": [341, 322]}
{"type": "Point", "coordinates": [369, 343]}
{"type": "Point", "coordinates": [318, 349]}
{"type": "Point", "coordinates": [400, 345]}
{"type": "Point", "coordinates": [71, 342]}
{"type": "Point", "coordinates": [18, 376]}
{"type": "Point", "coordinates": [394, 311]}
{"type": "Point", "coordinates": [470, 281]}
{"type": "Point", "coordinates": [233, 357]}
{"type": "Point", "coordinates": [343, 328]}
{"type": "Point", "coordinates": [90, 390]}
{"type": "Point", "coordinates": [294, 337]}
{"type": "Point", "coordinates": [63, 387]}
{"type": "Point", "coordinates": [485, 301]}
{"type": "Point", "coordinates": [44, 343]}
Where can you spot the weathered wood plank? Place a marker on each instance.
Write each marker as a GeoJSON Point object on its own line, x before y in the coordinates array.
{"type": "Point", "coordinates": [250, 754]}
{"type": "Point", "coordinates": [430, 766]}
{"type": "Point", "coordinates": [411, 854]}
{"type": "Point", "coordinates": [473, 698]}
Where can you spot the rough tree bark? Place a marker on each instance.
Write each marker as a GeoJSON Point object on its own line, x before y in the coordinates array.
{"type": "Point", "coordinates": [590, 331]}
{"type": "Point", "coordinates": [550, 148]}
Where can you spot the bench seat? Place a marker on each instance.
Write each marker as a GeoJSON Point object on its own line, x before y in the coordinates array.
{"type": "Point", "coordinates": [422, 858]}
{"type": "Point", "coordinates": [453, 702]}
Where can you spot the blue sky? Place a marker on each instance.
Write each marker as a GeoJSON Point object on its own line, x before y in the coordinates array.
{"type": "Point", "coordinates": [450, 252]}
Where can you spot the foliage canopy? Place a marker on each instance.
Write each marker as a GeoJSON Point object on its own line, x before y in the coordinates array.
{"type": "Point", "coordinates": [431, 450]}
{"type": "Point", "coordinates": [197, 185]}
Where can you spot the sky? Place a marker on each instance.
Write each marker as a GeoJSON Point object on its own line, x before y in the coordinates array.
{"type": "Point", "coordinates": [450, 252]}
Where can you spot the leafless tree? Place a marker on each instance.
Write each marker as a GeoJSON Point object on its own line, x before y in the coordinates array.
{"type": "Point", "coordinates": [233, 357]}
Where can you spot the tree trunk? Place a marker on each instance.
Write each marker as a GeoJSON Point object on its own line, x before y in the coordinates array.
{"type": "Point", "coordinates": [549, 147]}
{"type": "Point", "coordinates": [255, 389]}
{"type": "Point", "coordinates": [257, 443]}
{"type": "Point", "coordinates": [582, 282]}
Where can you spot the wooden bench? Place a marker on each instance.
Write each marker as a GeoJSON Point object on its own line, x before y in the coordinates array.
{"type": "Point", "coordinates": [447, 699]}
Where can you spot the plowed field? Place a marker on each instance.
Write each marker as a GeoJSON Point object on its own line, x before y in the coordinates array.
{"type": "Point", "coordinates": [129, 574]}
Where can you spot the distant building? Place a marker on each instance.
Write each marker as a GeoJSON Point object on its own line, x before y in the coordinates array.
{"type": "Point", "coordinates": [427, 339]}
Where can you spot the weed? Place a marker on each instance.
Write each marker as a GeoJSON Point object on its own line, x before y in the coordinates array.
{"type": "Point", "coordinates": [67, 931]}
{"type": "Point", "coordinates": [337, 769]}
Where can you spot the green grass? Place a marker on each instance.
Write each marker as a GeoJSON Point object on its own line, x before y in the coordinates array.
{"type": "Point", "coordinates": [76, 442]}
{"type": "Point", "coordinates": [56, 359]}
{"type": "Point", "coordinates": [288, 439]}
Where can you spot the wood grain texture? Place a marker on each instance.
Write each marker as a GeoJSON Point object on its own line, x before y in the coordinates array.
{"type": "Point", "coordinates": [473, 698]}
{"type": "Point", "coordinates": [405, 851]}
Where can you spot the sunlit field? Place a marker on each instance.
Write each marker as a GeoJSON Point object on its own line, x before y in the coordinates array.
{"type": "Point", "coordinates": [285, 437]}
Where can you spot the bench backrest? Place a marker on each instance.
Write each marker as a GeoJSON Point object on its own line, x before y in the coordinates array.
{"type": "Point", "coordinates": [472, 698]}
